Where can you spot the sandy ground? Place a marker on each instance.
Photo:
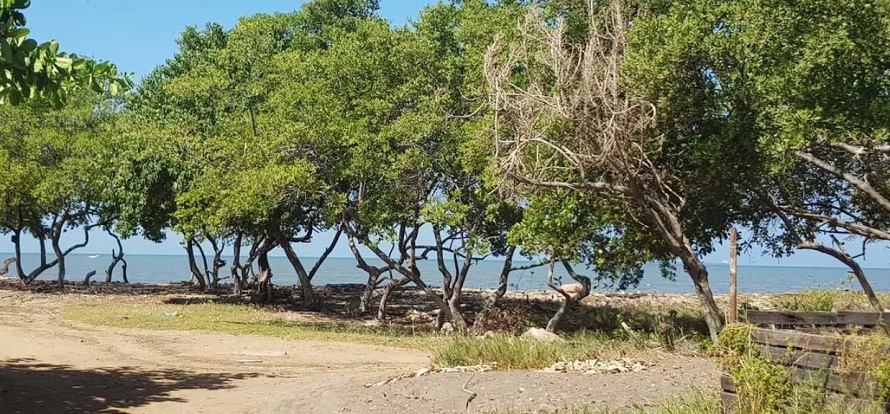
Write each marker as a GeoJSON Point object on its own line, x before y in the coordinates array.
{"type": "Point", "coordinates": [50, 365]}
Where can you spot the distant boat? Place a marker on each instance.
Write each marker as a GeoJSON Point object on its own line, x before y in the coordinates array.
{"type": "Point", "coordinates": [94, 256]}
{"type": "Point", "coordinates": [726, 262]}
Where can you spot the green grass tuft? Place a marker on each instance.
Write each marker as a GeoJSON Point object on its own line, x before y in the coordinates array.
{"type": "Point", "coordinates": [519, 353]}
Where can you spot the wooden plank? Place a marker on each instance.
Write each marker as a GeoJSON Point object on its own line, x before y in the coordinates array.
{"type": "Point", "coordinates": [800, 358]}
{"type": "Point", "coordinates": [863, 318]}
{"type": "Point", "coordinates": [853, 404]}
{"type": "Point", "coordinates": [797, 340]}
{"type": "Point", "coordinates": [733, 276]}
{"type": "Point", "coordinates": [856, 384]}
{"type": "Point", "coordinates": [727, 384]}
{"type": "Point", "coordinates": [730, 402]}
{"type": "Point", "coordinates": [790, 318]}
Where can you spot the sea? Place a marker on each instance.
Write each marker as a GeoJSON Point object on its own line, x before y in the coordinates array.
{"type": "Point", "coordinates": [159, 269]}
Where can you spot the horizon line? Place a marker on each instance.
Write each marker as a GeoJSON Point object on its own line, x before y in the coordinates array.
{"type": "Point", "coordinates": [497, 259]}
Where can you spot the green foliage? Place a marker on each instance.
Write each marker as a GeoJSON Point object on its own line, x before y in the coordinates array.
{"type": "Point", "coordinates": [29, 70]}
{"type": "Point", "coordinates": [810, 301]}
{"type": "Point", "coordinates": [734, 341]}
{"type": "Point", "coordinates": [882, 376]}
{"type": "Point", "coordinates": [814, 300]}
{"type": "Point", "coordinates": [50, 157]}
{"type": "Point", "coordinates": [763, 386]}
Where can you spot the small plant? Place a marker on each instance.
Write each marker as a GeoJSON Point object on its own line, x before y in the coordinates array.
{"type": "Point", "coordinates": [882, 376]}
{"type": "Point", "coordinates": [734, 340]}
{"type": "Point", "coordinates": [810, 301]}
{"type": "Point", "coordinates": [763, 387]}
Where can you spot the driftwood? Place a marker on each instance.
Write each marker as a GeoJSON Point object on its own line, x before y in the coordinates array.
{"type": "Point", "coordinates": [86, 279]}
{"type": "Point", "coordinates": [472, 395]}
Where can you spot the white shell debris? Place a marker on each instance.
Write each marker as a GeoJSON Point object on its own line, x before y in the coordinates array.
{"type": "Point", "coordinates": [427, 371]}
{"type": "Point", "coordinates": [595, 366]}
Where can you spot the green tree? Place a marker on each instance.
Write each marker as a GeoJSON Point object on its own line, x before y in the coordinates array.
{"type": "Point", "coordinates": [52, 183]}
{"type": "Point", "coordinates": [628, 114]}
{"type": "Point", "coordinates": [30, 70]}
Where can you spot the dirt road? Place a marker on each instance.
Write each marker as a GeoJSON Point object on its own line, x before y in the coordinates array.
{"type": "Point", "coordinates": [50, 365]}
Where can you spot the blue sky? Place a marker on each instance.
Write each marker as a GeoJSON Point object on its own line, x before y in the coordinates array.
{"type": "Point", "coordinates": [140, 35]}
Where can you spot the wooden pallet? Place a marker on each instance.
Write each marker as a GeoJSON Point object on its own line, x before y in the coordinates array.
{"type": "Point", "coordinates": [810, 358]}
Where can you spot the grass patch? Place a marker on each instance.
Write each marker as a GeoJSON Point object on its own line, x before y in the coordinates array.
{"type": "Point", "coordinates": [239, 320]}
{"type": "Point", "coordinates": [505, 352]}
{"type": "Point", "coordinates": [815, 300]}
{"type": "Point", "coordinates": [519, 353]}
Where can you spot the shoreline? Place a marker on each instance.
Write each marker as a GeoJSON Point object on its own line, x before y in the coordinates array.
{"type": "Point", "coordinates": [105, 255]}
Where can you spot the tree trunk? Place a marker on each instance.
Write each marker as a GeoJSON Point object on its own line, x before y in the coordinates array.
{"type": "Point", "coordinates": [460, 323]}
{"type": "Point", "coordinates": [504, 279]}
{"type": "Point", "coordinates": [554, 320]}
{"type": "Point", "coordinates": [218, 262]}
{"type": "Point", "coordinates": [854, 266]}
{"type": "Point", "coordinates": [193, 265]}
{"type": "Point", "coordinates": [452, 285]}
{"type": "Point", "coordinates": [17, 245]}
{"type": "Point", "coordinates": [665, 218]}
{"type": "Point", "coordinates": [699, 274]}
{"type": "Point", "coordinates": [569, 298]}
{"type": "Point", "coordinates": [110, 270]}
{"type": "Point", "coordinates": [115, 259]}
{"type": "Point", "coordinates": [309, 299]}
{"type": "Point", "coordinates": [368, 292]}
{"type": "Point", "coordinates": [207, 273]}
{"type": "Point", "coordinates": [60, 258]}
{"type": "Point", "coordinates": [236, 266]}
{"type": "Point", "coordinates": [387, 291]}
{"type": "Point", "coordinates": [372, 271]}
{"type": "Point", "coordinates": [264, 279]}
{"type": "Point", "coordinates": [124, 270]}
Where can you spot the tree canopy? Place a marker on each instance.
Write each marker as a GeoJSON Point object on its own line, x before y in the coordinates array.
{"type": "Point", "coordinates": [606, 134]}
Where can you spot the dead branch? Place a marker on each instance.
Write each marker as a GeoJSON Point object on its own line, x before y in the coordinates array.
{"type": "Point", "coordinates": [471, 393]}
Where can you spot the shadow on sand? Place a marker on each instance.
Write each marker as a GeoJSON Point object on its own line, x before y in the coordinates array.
{"type": "Point", "coordinates": [28, 386]}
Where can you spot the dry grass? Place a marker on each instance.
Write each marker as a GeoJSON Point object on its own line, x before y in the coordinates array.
{"type": "Point", "coordinates": [696, 403]}
{"type": "Point", "coordinates": [518, 353]}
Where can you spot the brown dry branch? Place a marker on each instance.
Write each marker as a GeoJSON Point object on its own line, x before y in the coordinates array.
{"type": "Point", "coordinates": [564, 119]}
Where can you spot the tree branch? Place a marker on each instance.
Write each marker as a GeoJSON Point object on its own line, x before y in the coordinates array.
{"type": "Point", "coordinates": [860, 184]}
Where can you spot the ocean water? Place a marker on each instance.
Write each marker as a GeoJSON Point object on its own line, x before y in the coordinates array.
{"type": "Point", "coordinates": [484, 275]}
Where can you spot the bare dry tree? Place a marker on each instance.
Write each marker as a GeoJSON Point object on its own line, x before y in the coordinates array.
{"type": "Point", "coordinates": [566, 120]}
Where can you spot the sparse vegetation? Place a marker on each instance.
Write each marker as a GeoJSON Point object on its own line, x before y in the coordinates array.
{"type": "Point", "coordinates": [816, 300]}
{"type": "Point", "coordinates": [517, 353]}
{"type": "Point", "coordinates": [239, 320]}
{"type": "Point", "coordinates": [766, 387]}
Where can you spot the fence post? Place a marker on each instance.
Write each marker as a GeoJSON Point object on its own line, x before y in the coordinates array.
{"type": "Point", "coordinates": [733, 316]}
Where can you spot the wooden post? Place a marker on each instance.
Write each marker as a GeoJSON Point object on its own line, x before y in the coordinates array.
{"type": "Point", "coordinates": [733, 316]}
